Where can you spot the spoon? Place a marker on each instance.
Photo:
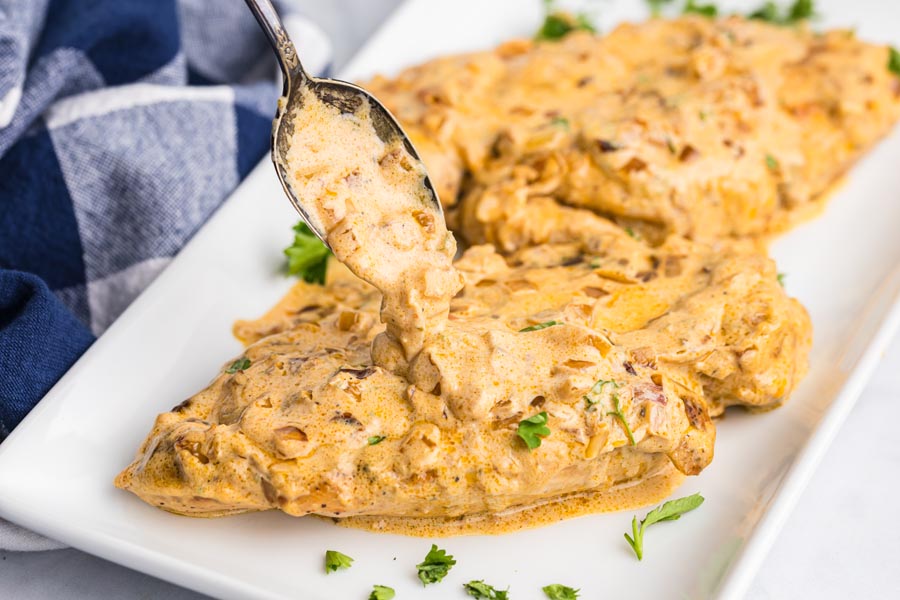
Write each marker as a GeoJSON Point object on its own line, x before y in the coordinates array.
{"type": "Point", "coordinates": [340, 94]}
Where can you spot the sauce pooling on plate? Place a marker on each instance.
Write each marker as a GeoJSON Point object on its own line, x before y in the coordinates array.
{"type": "Point", "coordinates": [381, 220]}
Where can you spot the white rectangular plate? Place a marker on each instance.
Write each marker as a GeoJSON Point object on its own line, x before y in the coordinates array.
{"type": "Point", "coordinates": [56, 470]}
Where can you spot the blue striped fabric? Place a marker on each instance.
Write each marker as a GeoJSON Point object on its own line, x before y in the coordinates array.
{"type": "Point", "coordinates": [123, 125]}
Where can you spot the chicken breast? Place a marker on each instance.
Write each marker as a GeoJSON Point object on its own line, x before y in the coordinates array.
{"type": "Point", "coordinates": [613, 297]}
{"type": "Point", "coordinates": [695, 126]}
{"type": "Point", "coordinates": [301, 428]}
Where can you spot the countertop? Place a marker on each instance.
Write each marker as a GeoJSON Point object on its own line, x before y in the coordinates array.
{"type": "Point", "coordinates": [842, 540]}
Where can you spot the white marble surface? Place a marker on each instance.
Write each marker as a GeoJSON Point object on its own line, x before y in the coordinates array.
{"type": "Point", "coordinates": [841, 542]}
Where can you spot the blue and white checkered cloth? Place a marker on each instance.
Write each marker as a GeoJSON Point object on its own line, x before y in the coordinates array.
{"type": "Point", "coordinates": [123, 125]}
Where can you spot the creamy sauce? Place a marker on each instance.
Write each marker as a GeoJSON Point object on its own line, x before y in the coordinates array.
{"type": "Point", "coordinates": [390, 397]}
{"type": "Point", "coordinates": [380, 220]}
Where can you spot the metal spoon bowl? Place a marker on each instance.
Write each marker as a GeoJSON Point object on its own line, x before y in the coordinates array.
{"type": "Point", "coordinates": [345, 96]}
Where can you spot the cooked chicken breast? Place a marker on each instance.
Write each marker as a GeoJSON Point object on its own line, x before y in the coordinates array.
{"type": "Point", "coordinates": [696, 126]}
{"type": "Point", "coordinates": [613, 297]}
{"type": "Point", "coordinates": [295, 430]}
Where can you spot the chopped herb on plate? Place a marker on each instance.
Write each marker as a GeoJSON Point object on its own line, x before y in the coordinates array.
{"type": "Point", "coordinates": [670, 511]}
{"type": "Point", "coordinates": [558, 24]}
{"type": "Point", "coordinates": [558, 591]}
{"type": "Point", "coordinates": [334, 560]}
{"type": "Point", "coordinates": [800, 10]}
{"type": "Point", "coordinates": [381, 592]}
{"type": "Point", "coordinates": [376, 439]}
{"type": "Point", "coordinates": [894, 61]}
{"type": "Point", "coordinates": [657, 5]}
{"type": "Point", "coordinates": [479, 589]}
{"type": "Point", "coordinates": [436, 565]}
{"type": "Point", "coordinates": [705, 10]}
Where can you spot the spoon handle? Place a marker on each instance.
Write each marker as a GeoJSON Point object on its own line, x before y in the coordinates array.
{"type": "Point", "coordinates": [272, 26]}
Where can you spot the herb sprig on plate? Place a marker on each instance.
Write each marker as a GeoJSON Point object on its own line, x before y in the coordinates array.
{"type": "Point", "coordinates": [479, 589]}
{"type": "Point", "coordinates": [557, 591]}
{"type": "Point", "coordinates": [558, 24]}
{"type": "Point", "coordinates": [670, 511]}
{"type": "Point", "coordinates": [436, 565]}
{"type": "Point", "coordinates": [334, 561]}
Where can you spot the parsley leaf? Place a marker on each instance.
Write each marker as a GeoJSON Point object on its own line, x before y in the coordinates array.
{"type": "Point", "coordinates": [894, 61]}
{"type": "Point", "coordinates": [767, 12]}
{"type": "Point", "coordinates": [376, 439]}
{"type": "Point", "coordinates": [532, 429]}
{"type": "Point", "coordinates": [772, 162]}
{"type": "Point", "coordinates": [307, 256]}
{"type": "Point", "coordinates": [558, 24]}
{"type": "Point", "coordinates": [670, 511]}
{"type": "Point", "coordinates": [596, 390]}
{"type": "Point", "coordinates": [238, 365]}
{"type": "Point", "coordinates": [436, 565]}
{"type": "Point", "coordinates": [540, 326]}
{"type": "Point", "coordinates": [780, 278]}
{"type": "Point", "coordinates": [479, 589]}
{"type": "Point", "coordinates": [617, 413]}
{"type": "Point", "coordinates": [334, 560]}
{"type": "Point", "coordinates": [558, 591]}
{"type": "Point", "coordinates": [657, 5]}
{"type": "Point", "coordinates": [381, 592]}
{"type": "Point", "coordinates": [560, 122]}
{"type": "Point", "coordinates": [705, 10]}
{"type": "Point", "coordinates": [800, 10]}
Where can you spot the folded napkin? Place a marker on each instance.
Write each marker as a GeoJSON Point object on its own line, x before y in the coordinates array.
{"type": "Point", "coordinates": [123, 125]}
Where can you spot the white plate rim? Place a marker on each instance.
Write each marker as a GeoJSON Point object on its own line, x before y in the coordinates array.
{"type": "Point", "coordinates": [882, 324]}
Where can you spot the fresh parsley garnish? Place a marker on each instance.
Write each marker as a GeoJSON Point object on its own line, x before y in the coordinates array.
{"type": "Point", "coordinates": [479, 589]}
{"type": "Point", "coordinates": [656, 6]}
{"type": "Point", "coordinates": [596, 390]}
{"type": "Point", "coordinates": [558, 25]}
{"type": "Point", "coordinates": [560, 122]}
{"type": "Point", "coordinates": [532, 429]}
{"type": "Point", "coordinates": [706, 10]}
{"type": "Point", "coordinates": [381, 592]}
{"type": "Point", "coordinates": [436, 565]}
{"type": "Point", "coordinates": [238, 365]}
{"type": "Point", "coordinates": [632, 233]}
{"type": "Point", "coordinates": [540, 326]}
{"type": "Point", "coordinates": [558, 591]}
{"type": "Point", "coordinates": [334, 560]}
{"type": "Point", "coordinates": [307, 256]}
{"type": "Point", "coordinates": [376, 439]}
{"type": "Point", "coordinates": [780, 278]}
{"type": "Point", "coordinates": [771, 162]}
{"type": "Point", "coordinates": [670, 511]}
{"type": "Point", "coordinates": [617, 413]}
{"type": "Point", "coordinates": [800, 10]}
{"type": "Point", "coordinates": [894, 61]}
